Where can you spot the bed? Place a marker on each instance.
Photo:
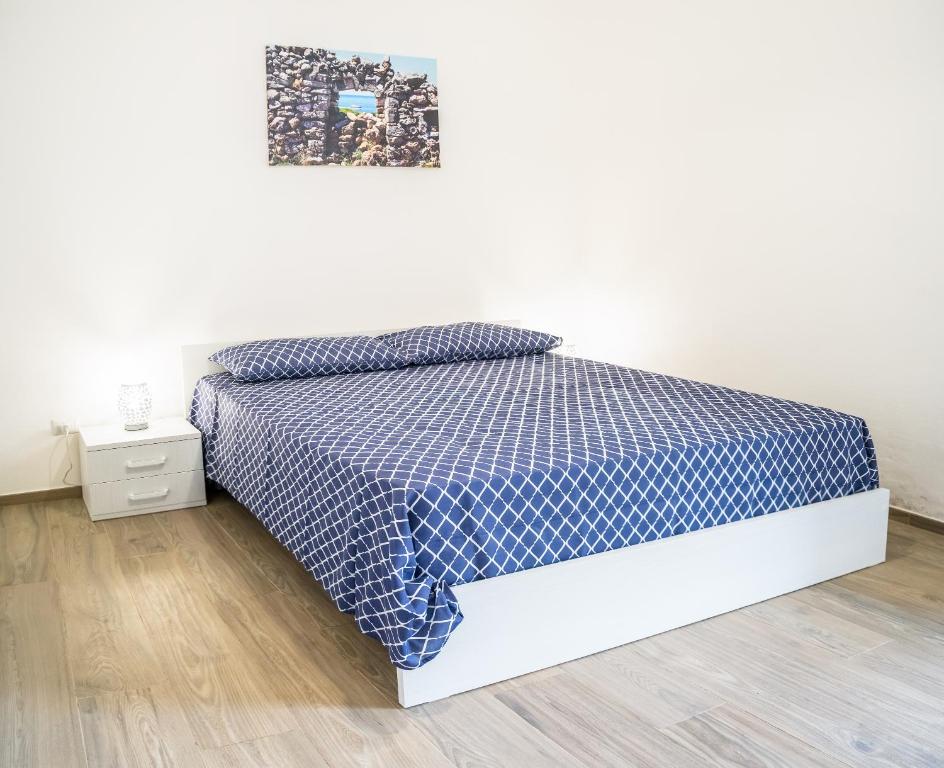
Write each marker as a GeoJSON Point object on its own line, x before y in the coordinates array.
{"type": "Point", "coordinates": [483, 519]}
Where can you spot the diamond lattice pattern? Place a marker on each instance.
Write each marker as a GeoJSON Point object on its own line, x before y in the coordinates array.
{"type": "Point", "coordinates": [392, 486]}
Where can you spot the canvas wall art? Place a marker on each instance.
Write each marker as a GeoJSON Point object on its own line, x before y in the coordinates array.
{"type": "Point", "coordinates": [335, 107]}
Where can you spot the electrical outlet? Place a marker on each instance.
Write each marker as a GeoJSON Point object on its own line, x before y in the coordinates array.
{"type": "Point", "coordinates": [62, 427]}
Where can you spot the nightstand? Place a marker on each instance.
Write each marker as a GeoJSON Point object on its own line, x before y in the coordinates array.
{"type": "Point", "coordinates": [150, 470]}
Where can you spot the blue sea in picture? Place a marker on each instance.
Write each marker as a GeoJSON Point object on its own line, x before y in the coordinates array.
{"type": "Point", "coordinates": [361, 101]}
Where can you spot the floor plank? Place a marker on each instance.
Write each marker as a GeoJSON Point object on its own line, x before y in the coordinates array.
{"type": "Point", "coordinates": [478, 730]}
{"type": "Point", "coordinates": [224, 699]}
{"type": "Point", "coordinates": [355, 720]}
{"type": "Point", "coordinates": [137, 535]}
{"type": "Point", "coordinates": [914, 663]}
{"type": "Point", "coordinates": [109, 648]}
{"type": "Point", "coordinates": [803, 691]}
{"type": "Point", "coordinates": [364, 653]}
{"type": "Point", "coordinates": [209, 554]}
{"type": "Point", "coordinates": [38, 718]}
{"type": "Point", "coordinates": [67, 519]}
{"type": "Point", "coordinates": [24, 544]}
{"type": "Point", "coordinates": [726, 736]}
{"type": "Point", "coordinates": [177, 613]}
{"type": "Point", "coordinates": [917, 534]}
{"type": "Point", "coordinates": [226, 702]}
{"type": "Point", "coordinates": [876, 694]}
{"type": "Point", "coordinates": [880, 615]}
{"type": "Point", "coordinates": [276, 562]}
{"type": "Point", "coordinates": [655, 698]}
{"type": "Point", "coordinates": [817, 626]}
{"type": "Point", "coordinates": [595, 728]}
{"type": "Point", "coordinates": [285, 750]}
{"type": "Point", "coordinates": [135, 729]}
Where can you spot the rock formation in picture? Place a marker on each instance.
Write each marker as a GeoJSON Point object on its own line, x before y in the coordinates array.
{"type": "Point", "coordinates": [307, 126]}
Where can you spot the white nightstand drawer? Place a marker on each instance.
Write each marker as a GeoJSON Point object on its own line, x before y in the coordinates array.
{"type": "Point", "coordinates": [145, 494]}
{"type": "Point", "coordinates": [143, 461]}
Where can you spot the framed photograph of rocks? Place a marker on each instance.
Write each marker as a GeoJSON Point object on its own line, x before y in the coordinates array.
{"type": "Point", "coordinates": [332, 107]}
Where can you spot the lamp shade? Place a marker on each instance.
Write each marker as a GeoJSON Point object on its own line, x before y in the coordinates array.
{"type": "Point", "coordinates": [134, 405]}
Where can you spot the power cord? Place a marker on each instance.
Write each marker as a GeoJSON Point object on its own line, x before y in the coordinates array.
{"type": "Point", "coordinates": [65, 477]}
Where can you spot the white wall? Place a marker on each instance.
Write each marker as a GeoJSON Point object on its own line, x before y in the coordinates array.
{"type": "Point", "coordinates": [743, 192]}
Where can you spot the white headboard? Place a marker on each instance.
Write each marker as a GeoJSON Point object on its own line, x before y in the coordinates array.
{"type": "Point", "coordinates": [195, 364]}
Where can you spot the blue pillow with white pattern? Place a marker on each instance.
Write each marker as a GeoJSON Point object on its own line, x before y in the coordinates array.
{"type": "Point", "coordinates": [304, 358]}
{"type": "Point", "coordinates": [467, 341]}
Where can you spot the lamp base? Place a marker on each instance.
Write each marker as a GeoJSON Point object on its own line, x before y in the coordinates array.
{"type": "Point", "coordinates": [135, 427]}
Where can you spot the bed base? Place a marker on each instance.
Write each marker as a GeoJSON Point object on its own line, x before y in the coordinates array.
{"type": "Point", "coordinates": [523, 622]}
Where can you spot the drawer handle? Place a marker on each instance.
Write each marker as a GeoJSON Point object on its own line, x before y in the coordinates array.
{"type": "Point", "coordinates": [160, 493]}
{"type": "Point", "coordinates": [142, 463]}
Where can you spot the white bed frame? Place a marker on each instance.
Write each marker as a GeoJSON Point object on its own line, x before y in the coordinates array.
{"type": "Point", "coordinates": [526, 621]}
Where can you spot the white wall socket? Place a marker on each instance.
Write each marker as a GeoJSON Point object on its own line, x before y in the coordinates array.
{"type": "Point", "coordinates": [62, 427]}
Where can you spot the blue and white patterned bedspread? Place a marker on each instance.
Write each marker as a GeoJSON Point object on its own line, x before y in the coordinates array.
{"type": "Point", "coordinates": [392, 486]}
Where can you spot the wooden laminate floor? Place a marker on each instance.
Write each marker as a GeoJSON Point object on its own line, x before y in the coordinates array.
{"type": "Point", "coordinates": [191, 638]}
